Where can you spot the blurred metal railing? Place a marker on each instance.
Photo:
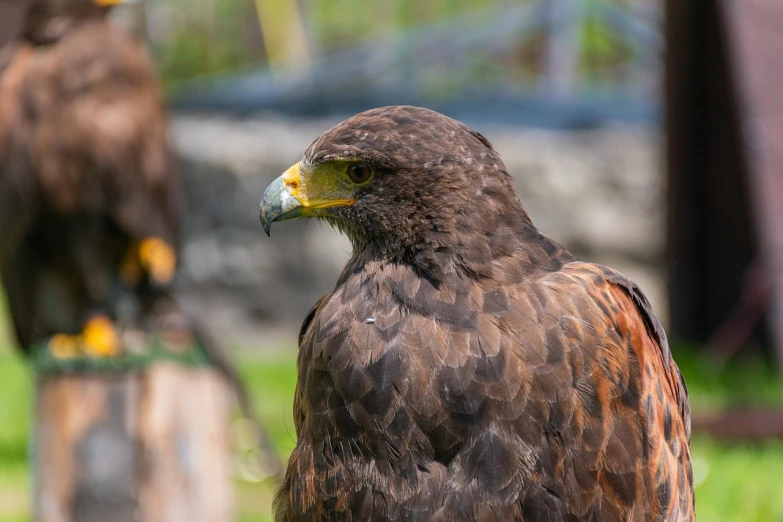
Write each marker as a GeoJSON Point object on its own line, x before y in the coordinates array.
{"type": "Point", "coordinates": [469, 59]}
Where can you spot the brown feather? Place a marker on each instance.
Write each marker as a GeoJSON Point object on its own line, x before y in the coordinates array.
{"type": "Point", "coordinates": [498, 378]}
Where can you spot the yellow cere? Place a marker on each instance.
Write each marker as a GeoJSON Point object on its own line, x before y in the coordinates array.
{"type": "Point", "coordinates": [326, 185]}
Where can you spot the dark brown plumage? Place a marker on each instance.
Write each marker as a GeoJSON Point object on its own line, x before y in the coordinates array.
{"type": "Point", "coordinates": [466, 367]}
{"type": "Point", "coordinates": [48, 21]}
{"type": "Point", "coordinates": [86, 177]}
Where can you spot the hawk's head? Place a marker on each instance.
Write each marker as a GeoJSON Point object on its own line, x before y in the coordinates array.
{"type": "Point", "coordinates": [407, 182]}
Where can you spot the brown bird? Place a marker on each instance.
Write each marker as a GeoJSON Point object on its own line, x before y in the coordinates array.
{"type": "Point", "coordinates": [466, 367]}
{"type": "Point", "coordinates": [88, 193]}
{"type": "Point", "coordinates": [89, 197]}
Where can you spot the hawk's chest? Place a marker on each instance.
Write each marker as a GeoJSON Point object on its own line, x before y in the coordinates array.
{"type": "Point", "coordinates": [405, 317]}
{"type": "Point", "coordinates": [402, 345]}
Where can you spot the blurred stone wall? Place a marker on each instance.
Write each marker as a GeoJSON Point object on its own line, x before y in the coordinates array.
{"type": "Point", "coordinates": [598, 192]}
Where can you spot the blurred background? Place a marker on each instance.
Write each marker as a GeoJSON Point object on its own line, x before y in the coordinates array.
{"type": "Point", "coordinates": [642, 135]}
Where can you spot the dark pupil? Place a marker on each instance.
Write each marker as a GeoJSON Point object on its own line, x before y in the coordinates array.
{"type": "Point", "coordinates": [359, 173]}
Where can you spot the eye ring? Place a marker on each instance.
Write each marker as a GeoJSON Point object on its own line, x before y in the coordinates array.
{"type": "Point", "coordinates": [359, 173]}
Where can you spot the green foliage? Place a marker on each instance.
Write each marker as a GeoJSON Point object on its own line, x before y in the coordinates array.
{"type": "Point", "coordinates": [204, 37]}
{"type": "Point", "coordinates": [715, 384]}
{"type": "Point", "coordinates": [15, 407]}
{"type": "Point", "coordinates": [738, 482]}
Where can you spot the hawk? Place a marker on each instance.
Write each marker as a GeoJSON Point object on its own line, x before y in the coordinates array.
{"type": "Point", "coordinates": [466, 367]}
{"type": "Point", "coordinates": [89, 198]}
{"type": "Point", "coordinates": [89, 217]}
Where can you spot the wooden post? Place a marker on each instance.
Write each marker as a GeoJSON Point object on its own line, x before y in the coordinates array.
{"type": "Point", "coordinates": [148, 446]}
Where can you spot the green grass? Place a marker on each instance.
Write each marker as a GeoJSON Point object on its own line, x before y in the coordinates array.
{"type": "Point", "coordinates": [271, 381]}
{"type": "Point", "coordinates": [734, 482]}
{"type": "Point", "coordinates": [738, 482]}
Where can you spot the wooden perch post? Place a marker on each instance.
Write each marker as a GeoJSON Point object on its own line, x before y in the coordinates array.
{"type": "Point", "coordinates": [150, 445]}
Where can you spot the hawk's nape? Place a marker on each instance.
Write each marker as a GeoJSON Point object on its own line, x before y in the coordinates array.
{"type": "Point", "coordinates": [88, 190]}
{"type": "Point", "coordinates": [466, 367]}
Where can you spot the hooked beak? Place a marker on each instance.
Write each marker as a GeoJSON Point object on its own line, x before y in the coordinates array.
{"type": "Point", "coordinates": [293, 195]}
{"type": "Point", "coordinates": [278, 204]}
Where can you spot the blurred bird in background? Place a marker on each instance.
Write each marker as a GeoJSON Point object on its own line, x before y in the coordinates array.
{"type": "Point", "coordinates": [89, 194]}
{"type": "Point", "coordinates": [88, 186]}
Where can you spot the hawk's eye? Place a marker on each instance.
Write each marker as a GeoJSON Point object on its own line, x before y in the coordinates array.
{"type": "Point", "coordinates": [359, 173]}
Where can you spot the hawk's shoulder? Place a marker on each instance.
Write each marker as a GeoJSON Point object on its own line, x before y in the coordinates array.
{"type": "Point", "coordinates": [616, 295]}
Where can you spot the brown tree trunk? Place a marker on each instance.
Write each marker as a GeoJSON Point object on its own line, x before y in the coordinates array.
{"type": "Point", "coordinates": [146, 446]}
